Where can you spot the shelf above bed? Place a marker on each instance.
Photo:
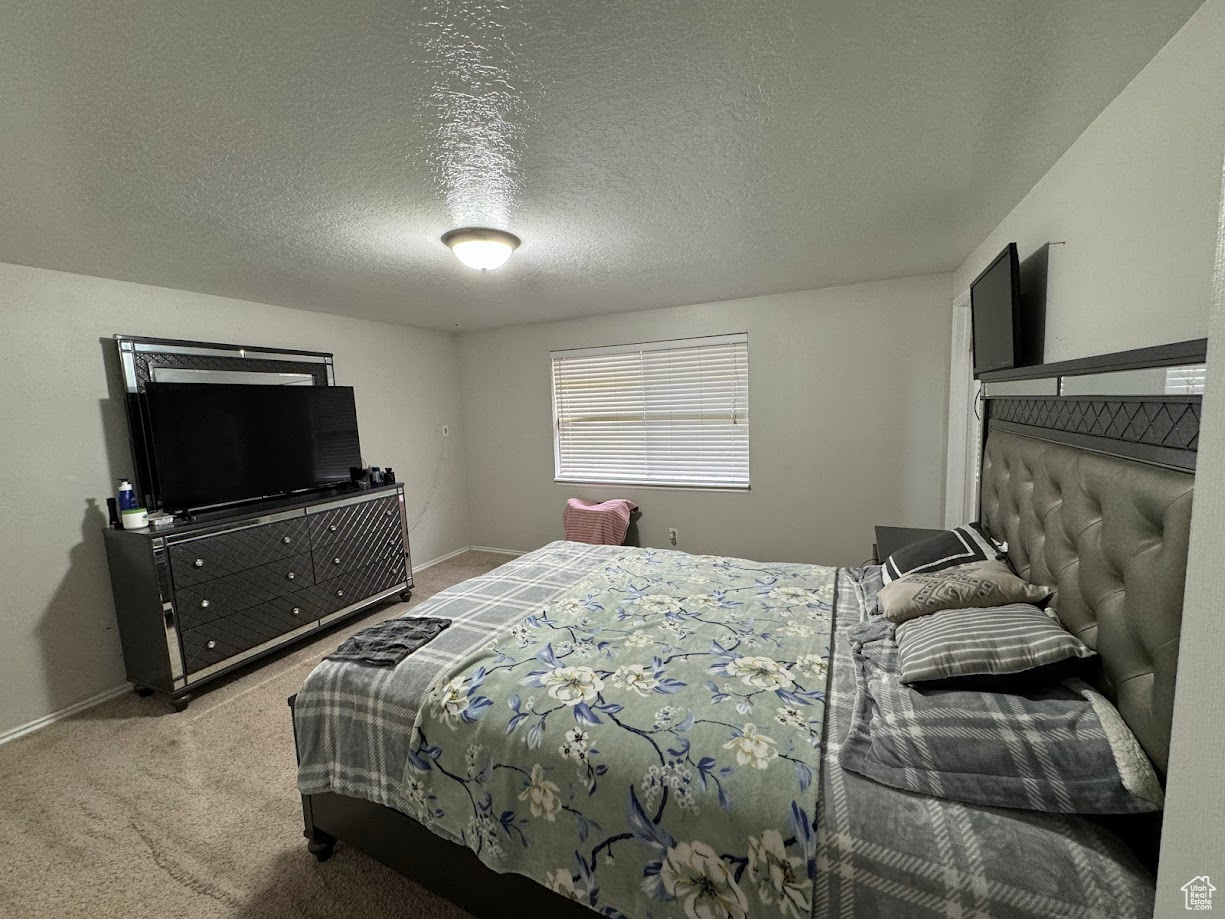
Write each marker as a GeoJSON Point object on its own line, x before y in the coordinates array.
{"type": "Point", "coordinates": [1171, 355]}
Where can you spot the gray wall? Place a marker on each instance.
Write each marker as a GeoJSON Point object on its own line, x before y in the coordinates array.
{"type": "Point", "coordinates": [63, 443]}
{"type": "Point", "coordinates": [1138, 198]}
{"type": "Point", "coordinates": [848, 407]}
{"type": "Point", "coordinates": [1135, 199]}
{"type": "Point", "coordinates": [1194, 839]}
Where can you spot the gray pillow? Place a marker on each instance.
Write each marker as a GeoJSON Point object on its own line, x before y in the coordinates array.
{"type": "Point", "coordinates": [968, 642]}
{"type": "Point", "coordinates": [980, 584]}
{"type": "Point", "coordinates": [1058, 747]}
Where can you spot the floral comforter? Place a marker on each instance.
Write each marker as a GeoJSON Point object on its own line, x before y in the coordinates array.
{"type": "Point", "coordinates": [648, 744]}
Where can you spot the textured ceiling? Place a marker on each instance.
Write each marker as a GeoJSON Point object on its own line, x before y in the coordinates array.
{"type": "Point", "coordinates": [648, 152]}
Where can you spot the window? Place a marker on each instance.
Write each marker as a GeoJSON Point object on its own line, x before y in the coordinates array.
{"type": "Point", "coordinates": [663, 413]}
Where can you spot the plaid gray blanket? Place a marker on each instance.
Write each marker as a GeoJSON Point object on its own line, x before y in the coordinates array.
{"type": "Point", "coordinates": [1053, 746]}
{"type": "Point", "coordinates": [355, 723]}
{"type": "Point", "coordinates": [886, 852]}
{"type": "Point", "coordinates": [880, 851]}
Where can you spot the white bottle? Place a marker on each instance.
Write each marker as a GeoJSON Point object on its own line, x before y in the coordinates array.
{"type": "Point", "coordinates": [132, 515]}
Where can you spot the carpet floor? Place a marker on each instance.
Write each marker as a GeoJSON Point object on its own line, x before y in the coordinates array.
{"type": "Point", "coordinates": [128, 810]}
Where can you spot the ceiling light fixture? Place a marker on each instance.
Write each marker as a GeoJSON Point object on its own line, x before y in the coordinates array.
{"type": "Point", "coordinates": [481, 248]}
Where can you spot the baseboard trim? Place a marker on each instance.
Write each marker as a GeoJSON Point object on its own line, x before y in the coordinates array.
{"type": "Point", "coordinates": [442, 558]}
{"type": "Point", "coordinates": [498, 551]}
{"type": "Point", "coordinates": [460, 551]}
{"type": "Point", "coordinates": [30, 727]}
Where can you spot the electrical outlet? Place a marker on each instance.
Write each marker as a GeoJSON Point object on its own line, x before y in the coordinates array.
{"type": "Point", "coordinates": [446, 430]}
{"type": "Point", "coordinates": [672, 535]}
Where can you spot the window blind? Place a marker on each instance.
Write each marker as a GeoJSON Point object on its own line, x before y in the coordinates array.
{"type": "Point", "coordinates": [1190, 379]}
{"type": "Point", "coordinates": [661, 413]}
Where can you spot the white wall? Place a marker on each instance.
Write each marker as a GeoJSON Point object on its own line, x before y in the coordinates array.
{"type": "Point", "coordinates": [965, 424]}
{"type": "Point", "coordinates": [1138, 198]}
{"type": "Point", "coordinates": [63, 442]}
{"type": "Point", "coordinates": [848, 403]}
{"type": "Point", "coordinates": [1193, 842]}
{"type": "Point", "coordinates": [1135, 199]}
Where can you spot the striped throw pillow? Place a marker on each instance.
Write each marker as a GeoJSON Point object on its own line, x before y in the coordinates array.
{"type": "Point", "coordinates": [968, 642]}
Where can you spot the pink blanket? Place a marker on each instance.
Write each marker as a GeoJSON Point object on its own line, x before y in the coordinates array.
{"type": "Point", "coordinates": [598, 524]}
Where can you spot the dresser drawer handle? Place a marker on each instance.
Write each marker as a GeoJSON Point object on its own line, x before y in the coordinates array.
{"type": "Point", "coordinates": [336, 560]}
{"type": "Point", "coordinates": [199, 563]}
{"type": "Point", "coordinates": [340, 593]}
{"type": "Point", "coordinates": [332, 528]}
{"type": "Point", "coordinates": [291, 575]}
{"type": "Point", "coordinates": [204, 604]}
{"type": "Point", "coordinates": [286, 540]}
{"type": "Point", "coordinates": [297, 611]}
{"type": "Point", "coordinates": [210, 644]}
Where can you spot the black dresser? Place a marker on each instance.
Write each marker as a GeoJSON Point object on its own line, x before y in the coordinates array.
{"type": "Point", "coordinates": [195, 600]}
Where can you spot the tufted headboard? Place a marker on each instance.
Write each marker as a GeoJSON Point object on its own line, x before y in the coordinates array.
{"type": "Point", "coordinates": [1110, 535]}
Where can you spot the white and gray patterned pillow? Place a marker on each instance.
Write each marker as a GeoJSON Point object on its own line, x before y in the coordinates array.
{"type": "Point", "coordinates": [1057, 746]}
{"type": "Point", "coordinates": [979, 584]}
{"type": "Point", "coordinates": [968, 642]}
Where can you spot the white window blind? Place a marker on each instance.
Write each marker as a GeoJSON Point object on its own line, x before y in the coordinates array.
{"type": "Point", "coordinates": [1190, 379]}
{"type": "Point", "coordinates": [661, 413]}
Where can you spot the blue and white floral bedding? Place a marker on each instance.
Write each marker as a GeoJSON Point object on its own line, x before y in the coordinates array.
{"type": "Point", "coordinates": [647, 743]}
{"type": "Point", "coordinates": [642, 731]}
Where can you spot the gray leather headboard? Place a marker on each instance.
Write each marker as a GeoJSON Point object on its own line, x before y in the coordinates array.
{"type": "Point", "coordinates": [1111, 536]}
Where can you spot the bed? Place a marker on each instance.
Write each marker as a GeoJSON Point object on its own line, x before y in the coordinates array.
{"type": "Point", "coordinates": [702, 781]}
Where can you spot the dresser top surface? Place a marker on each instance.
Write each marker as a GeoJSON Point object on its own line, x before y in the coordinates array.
{"type": "Point", "coordinates": [254, 512]}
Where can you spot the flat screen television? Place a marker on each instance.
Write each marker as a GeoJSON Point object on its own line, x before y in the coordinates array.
{"type": "Point", "coordinates": [223, 443]}
{"type": "Point", "coordinates": [995, 311]}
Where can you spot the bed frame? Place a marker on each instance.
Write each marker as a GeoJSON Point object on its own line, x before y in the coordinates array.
{"type": "Point", "coordinates": [1093, 495]}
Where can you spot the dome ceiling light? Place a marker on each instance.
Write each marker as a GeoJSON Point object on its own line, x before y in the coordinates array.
{"type": "Point", "coordinates": [481, 248]}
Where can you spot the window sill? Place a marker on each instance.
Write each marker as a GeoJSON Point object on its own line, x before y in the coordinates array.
{"type": "Point", "coordinates": [721, 489]}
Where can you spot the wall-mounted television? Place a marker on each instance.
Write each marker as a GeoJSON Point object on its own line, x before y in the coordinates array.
{"type": "Point", "coordinates": [218, 444]}
{"type": "Point", "coordinates": [995, 311]}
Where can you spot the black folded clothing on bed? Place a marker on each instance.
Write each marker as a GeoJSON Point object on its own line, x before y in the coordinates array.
{"type": "Point", "coordinates": [388, 643]}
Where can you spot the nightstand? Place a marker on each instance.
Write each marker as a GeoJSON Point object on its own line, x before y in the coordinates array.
{"type": "Point", "coordinates": [890, 539]}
